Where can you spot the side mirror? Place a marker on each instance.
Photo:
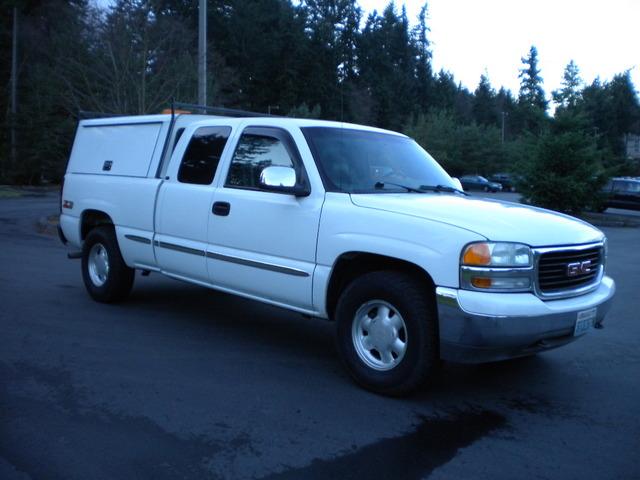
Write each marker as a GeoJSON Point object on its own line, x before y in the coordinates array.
{"type": "Point", "coordinates": [282, 180]}
{"type": "Point", "coordinates": [457, 183]}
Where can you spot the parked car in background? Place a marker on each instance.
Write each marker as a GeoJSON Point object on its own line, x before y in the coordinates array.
{"type": "Point", "coordinates": [623, 192]}
{"type": "Point", "coordinates": [478, 182]}
{"type": "Point", "coordinates": [507, 181]}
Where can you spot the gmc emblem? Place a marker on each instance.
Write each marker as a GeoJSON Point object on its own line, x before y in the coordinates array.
{"type": "Point", "coordinates": [578, 268]}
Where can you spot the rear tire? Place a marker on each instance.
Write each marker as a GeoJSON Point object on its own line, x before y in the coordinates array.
{"type": "Point", "coordinates": [387, 332]}
{"type": "Point", "coordinates": [106, 276]}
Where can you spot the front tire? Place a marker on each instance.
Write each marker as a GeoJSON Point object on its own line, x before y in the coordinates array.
{"type": "Point", "coordinates": [387, 333]}
{"type": "Point", "coordinates": [106, 276]}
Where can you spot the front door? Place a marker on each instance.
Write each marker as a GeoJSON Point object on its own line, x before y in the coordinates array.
{"type": "Point", "coordinates": [261, 243]}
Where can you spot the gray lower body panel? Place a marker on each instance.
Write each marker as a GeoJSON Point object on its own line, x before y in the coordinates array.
{"type": "Point", "coordinates": [474, 330]}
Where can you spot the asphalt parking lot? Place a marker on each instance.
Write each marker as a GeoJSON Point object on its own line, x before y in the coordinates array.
{"type": "Point", "coordinates": [184, 382]}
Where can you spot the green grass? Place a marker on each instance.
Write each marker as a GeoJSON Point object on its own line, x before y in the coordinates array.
{"type": "Point", "coordinates": [9, 192]}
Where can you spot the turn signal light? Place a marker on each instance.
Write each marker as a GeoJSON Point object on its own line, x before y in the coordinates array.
{"type": "Point", "coordinates": [477, 254]}
{"type": "Point", "coordinates": [481, 282]}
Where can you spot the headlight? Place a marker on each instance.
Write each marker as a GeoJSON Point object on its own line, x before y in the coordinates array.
{"type": "Point", "coordinates": [493, 254]}
{"type": "Point", "coordinates": [497, 266]}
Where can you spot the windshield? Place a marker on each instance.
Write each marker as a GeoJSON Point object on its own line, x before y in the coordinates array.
{"type": "Point", "coordinates": [358, 161]}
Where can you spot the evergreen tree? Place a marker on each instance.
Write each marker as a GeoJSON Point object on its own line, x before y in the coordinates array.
{"type": "Point", "coordinates": [331, 27]}
{"type": "Point", "coordinates": [566, 169]}
{"type": "Point", "coordinates": [458, 148]}
{"type": "Point", "coordinates": [264, 42]}
{"type": "Point", "coordinates": [387, 65]}
{"type": "Point", "coordinates": [612, 110]}
{"type": "Point", "coordinates": [569, 94]}
{"type": "Point", "coordinates": [506, 106]}
{"type": "Point", "coordinates": [484, 109]}
{"type": "Point", "coordinates": [625, 106]}
{"type": "Point", "coordinates": [531, 91]}
{"type": "Point", "coordinates": [463, 105]}
{"type": "Point", "coordinates": [50, 34]}
{"type": "Point", "coordinates": [445, 91]}
{"type": "Point", "coordinates": [530, 115]}
{"type": "Point", "coordinates": [308, 58]}
{"type": "Point", "coordinates": [424, 73]}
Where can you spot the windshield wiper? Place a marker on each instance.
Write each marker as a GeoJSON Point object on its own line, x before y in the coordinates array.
{"type": "Point", "coordinates": [422, 188]}
{"type": "Point", "coordinates": [381, 185]}
{"type": "Point", "coordinates": [442, 188]}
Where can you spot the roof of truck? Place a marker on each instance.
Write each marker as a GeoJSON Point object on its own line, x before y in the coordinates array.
{"type": "Point", "coordinates": [231, 121]}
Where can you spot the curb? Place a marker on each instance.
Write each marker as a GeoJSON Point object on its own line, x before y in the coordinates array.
{"type": "Point", "coordinates": [604, 220]}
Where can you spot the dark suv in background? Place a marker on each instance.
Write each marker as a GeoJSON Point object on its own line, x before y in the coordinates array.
{"type": "Point", "coordinates": [507, 181]}
{"type": "Point", "coordinates": [623, 192]}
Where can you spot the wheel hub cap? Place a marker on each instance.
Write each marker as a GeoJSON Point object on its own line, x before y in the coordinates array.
{"type": "Point", "coordinates": [379, 335]}
{"type": "Point", "coordinates": [98, 264]}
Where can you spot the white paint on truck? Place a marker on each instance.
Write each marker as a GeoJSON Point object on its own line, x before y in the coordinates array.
{"type": "Point", "coordinates": [208, 200]}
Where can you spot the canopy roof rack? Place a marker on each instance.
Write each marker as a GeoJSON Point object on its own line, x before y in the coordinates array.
{"type": "Point", "coordinates": [181, 107]}
{"type": "Point", "coordinates": [222, 111]}
{"type": "Point", "coordinates": [86, 114]}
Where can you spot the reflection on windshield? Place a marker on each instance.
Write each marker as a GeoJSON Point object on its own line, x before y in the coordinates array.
{"type": "Point", "coordinates": [355, 161]}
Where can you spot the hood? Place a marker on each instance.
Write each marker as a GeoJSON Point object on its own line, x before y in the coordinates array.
{"type": "Point", "coordinates": [493, 219]}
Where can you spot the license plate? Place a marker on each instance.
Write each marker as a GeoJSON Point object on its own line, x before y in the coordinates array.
{"type": "Point", "coordinates": [586, 319]}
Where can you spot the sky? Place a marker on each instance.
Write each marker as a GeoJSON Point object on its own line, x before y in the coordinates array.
{"type": "Point", "coordinates": [470, 37]}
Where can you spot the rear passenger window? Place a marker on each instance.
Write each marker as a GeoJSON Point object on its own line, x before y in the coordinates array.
{"type": "Point", "coordinates": [203, 153]}
{"type": "Point", "coordinates": [253, 154]}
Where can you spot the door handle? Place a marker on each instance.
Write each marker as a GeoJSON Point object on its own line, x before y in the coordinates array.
{"type": "Point", "coordinates": [221, 208]}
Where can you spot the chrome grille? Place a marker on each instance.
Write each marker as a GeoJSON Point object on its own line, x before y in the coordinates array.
{"type": "Point", "coordinates": [556, 276]}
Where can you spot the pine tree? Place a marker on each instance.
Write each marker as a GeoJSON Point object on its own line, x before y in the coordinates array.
{"type": "Point", "coordinates": [565, 171]}
{"type": "Point", "coordinates": [625, 106]}
{"type": "Point", "coordinates": [424, 72]}
{"type": "Point", "coordinates": [531, 92]}
{"type": "Point", "coordinates": [445, 91]}
{"type": "Point", "coordinates": [331, 27]}
{"type": "Point", "coordinates": [387, 66]}
{"type": "Point", "coordinates": [612, 110]}
{"type": "Point", "coordinates": [484, 108]}
{"type": "Point", "coordinates": [531, 112]}
{"type": "Point", "coordinates": [569, 95]}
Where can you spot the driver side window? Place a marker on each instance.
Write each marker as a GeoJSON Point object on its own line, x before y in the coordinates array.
{"type": "Point", "coordinates": [254, 153]}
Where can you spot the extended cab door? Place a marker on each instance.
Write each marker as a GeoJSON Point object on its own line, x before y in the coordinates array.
{"type": "Point", "coordinates": [263, 243]}
{"type": "Point", "coordinates": [184, 204]}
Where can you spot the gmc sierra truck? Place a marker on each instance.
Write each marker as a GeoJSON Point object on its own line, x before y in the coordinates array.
{"type": "Point", "coordinates": [353, 224]}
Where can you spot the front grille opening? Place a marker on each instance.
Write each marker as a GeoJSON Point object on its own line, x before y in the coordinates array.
{"type": "Point", "coordinates": [554, 269]}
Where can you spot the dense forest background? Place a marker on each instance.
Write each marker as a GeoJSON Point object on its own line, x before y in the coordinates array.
{"type": "Point", "coordinates": [318, 58]}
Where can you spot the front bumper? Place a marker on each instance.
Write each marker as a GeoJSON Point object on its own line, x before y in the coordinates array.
{"type": "Point", "coordinates": [478, 327]}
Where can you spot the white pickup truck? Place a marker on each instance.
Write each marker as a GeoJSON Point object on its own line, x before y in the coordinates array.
{"type": "Point", "coordinates": [345, 222]}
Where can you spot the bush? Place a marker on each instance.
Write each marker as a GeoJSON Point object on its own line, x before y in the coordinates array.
{"type": "Point", "coordinates": [565, 171]}
{"type": "Point", "coordinates": [459, 148]}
